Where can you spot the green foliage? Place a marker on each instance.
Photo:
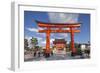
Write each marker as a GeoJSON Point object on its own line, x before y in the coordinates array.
{"type": "Point", "coordinates": [79, 52]}
{"type": "Point", "coordinates": [34, 41]}
{"type": "Point", "coordinates": [25, 43]}
{"type": "Point", "coordinates": [76, 45]}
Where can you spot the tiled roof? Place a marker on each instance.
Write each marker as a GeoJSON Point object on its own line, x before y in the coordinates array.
{"type": "Point", "coordinates": [59, 41]}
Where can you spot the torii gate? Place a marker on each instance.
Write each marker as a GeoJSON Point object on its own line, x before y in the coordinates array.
{"type": "Point", "coordinates": [72, 29]}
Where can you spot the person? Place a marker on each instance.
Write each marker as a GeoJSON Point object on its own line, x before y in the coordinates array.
{"type": "Point", "coordinates": [51, 52]}
{"type": "Point", "coordinates": [38, 53]}
{"type": "Point", "coordinates": [34, 53]}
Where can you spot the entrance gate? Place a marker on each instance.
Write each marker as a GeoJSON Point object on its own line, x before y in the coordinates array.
{"type": "Point", "coordinates": [58, 28]}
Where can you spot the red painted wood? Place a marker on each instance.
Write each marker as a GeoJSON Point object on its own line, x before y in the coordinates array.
{"type": "Point", "coordinates": [48, 30]}
{"type": "Point", "coordinates": [72, 41]}
{"type": "Point", "coordinates": [48, 41]}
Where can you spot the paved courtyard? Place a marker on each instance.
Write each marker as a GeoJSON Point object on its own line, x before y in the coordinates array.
{"type": "Point", "coordinates": [54, 57]}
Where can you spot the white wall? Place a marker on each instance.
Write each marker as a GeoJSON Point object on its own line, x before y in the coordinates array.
{"type": "Point", "coordinates": [5, 40]}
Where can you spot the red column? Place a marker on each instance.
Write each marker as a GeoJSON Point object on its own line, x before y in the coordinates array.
{"type": "Point", "coordinates": [72, 41]}
{"type": "Point", "coordinates": [48, 41]}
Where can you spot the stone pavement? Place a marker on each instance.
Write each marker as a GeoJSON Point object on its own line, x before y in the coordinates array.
{"type": "Point", "coordinates": [54, 57]}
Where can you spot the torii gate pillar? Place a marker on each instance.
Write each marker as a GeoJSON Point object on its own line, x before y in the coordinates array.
{"type": "Point", "coordinates": [47, 51]}
{"type": "Point", "coordinates": [72, 42]}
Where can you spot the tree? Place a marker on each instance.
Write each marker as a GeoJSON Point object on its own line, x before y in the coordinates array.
{"type": "Point", "coordinates": [25, 44]}
{"type": "Point", "coordinates": [76, 45]}
{"type": "Point", "coordinates": [69, 45]}
{"type": "Point", "coordinates": [34, 42]}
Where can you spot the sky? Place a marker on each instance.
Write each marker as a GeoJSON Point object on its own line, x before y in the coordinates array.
{"type": "Point", "coordinates": [31, 28]}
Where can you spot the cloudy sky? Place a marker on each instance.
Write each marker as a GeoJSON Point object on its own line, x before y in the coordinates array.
{"type": "Point", "coordinates": [31, 28]}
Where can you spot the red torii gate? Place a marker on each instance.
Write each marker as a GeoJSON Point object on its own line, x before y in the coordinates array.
{"type": "Point", "coordinates": [72, 29]}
